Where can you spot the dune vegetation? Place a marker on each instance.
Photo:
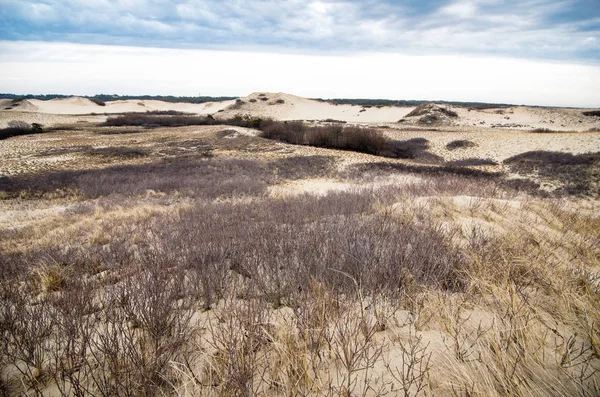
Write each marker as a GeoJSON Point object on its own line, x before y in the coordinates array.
{"type": "Point", "coordinates": [169, 254]}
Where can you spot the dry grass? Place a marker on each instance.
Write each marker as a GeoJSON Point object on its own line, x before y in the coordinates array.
{"type": "Point", "coordinates": [184, 277]}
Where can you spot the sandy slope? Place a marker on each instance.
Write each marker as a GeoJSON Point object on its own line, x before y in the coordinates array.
{"type": "Point", "coordinates": [289, 107]}
{"type": "Point", "coordinates": [77, 105]}
{"type": "Point", "coordinates": [298, 108]}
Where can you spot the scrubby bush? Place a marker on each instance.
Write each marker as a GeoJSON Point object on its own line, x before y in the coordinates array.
{"type": "Point", "coordinates": [37, 128]}
{"type": "Point", "coordinates": [19, 124]}
{"type": "Point", "coordinates": [19, 127]}
{"type": "Point", "coordinates": [117, 152]}
{"type": "Point", "coordinates": [542, 130]}
{"type": "Point", "coordinates": [357, 139]}
{"type": "Point", "coordinates": [98, 101]}
{"type": "Point", "coordinates": [460, 144]}
{"type": "Point", "coordinates": [579, 174]}
{"type": "Point", "coordinates": [472, 161]}
{"type": "Point", "coordinates": [238, 104]}
{"type": "Point", "coordinates": [195, 177]}
{"type": "Point", "coordinates": [299, 167]}
{"type": "Point", "coordinates": [414, 148]}
{"type": "Point", "coordinates": [591, 113]}
{"type": "Point", "coordinates": [157, 119]}
{"type": "Point", "coordinates": [448, 112]}
{"type": "Point", "coordinates": [167, 113]}
{"type": "Point", "coordinates": [429, 119]}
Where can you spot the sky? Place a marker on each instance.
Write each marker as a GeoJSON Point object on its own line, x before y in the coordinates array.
{"type": "Point", "coordinates": [539, 52]}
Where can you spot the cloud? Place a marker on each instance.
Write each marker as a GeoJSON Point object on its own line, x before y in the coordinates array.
{"type": "Point", "coordinates": [460, 9]}
{"type": "Point", "coordinates": [83, 69]}
{"type": "Point", "coordinates": [547, 29]}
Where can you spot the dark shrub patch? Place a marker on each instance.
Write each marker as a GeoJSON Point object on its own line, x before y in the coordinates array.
{"type": "Point", "coordinates": [119, 131]}
{"type": "Point", "coordinates": [428, 170]}
{"type": "Point", "coordinates": [431, 113]}
{"type": "Point", "coordinates": [470, 162]}
{"type": "Point", "coordinates": [448, 112]}
{"type": "Point", "coordinates": [414, 149]}
{"type": "Point", "coordinates": [238, 104]}
{"type": "Point", "coordinates": [542, 130]}
{"type": "Point", "coordinates": [207, 179]}
{"type": "Point", "coordinates": [117, 152]}
{"type": "Point", "coordinates": [460, 144]}
{"type": "Point", "coordinates": [155, 120]}
{"type": "Point", "coordinates": [419, 111]}
{"type": "Point", "coordinates": [591, 113]}
{"type": "Point", "coordinates": [298, 167]}
{"type": "Point", "coordinates": [580, 174]}
{"type": "Point", "coordinates": [529, 160]}
{"type": "Point", "coordinates": [18, 127]}
{"type": "Point", "coordinates": [357, 139]}
{"type": "Point", "coordinates": [167, 113]}
{"type": "Point", "coordinates": [98, 102]}
{"type": "Point", "coordinates": [410, 148]}
{"type": "Point", "coordinates": [429, 119]}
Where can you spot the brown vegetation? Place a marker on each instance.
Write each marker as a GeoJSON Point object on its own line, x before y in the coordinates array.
{"type": "Point", "coordinates": [460, 144]}
{"type": "Point", "coordinates": [182, 275]}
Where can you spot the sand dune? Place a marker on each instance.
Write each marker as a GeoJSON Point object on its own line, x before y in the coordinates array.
{"type": "Point", "coordinates": [78, 105]}
{"type": "Point", "coordinates": [283, 106]}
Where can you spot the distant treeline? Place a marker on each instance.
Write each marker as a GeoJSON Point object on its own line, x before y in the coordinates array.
{"type": "Point", "coordinates": [391, 102]}
{"type": "Point", "coordinates": [106, 97]}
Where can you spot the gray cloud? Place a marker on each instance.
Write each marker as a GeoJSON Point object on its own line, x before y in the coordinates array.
{"type": "Point", "coordinates": [554, 29]}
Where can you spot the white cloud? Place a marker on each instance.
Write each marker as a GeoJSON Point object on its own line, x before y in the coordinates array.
{"type": "Point", "coordinates": [37, 67]}
{"type": "Point", "coordinates": [514, 28]}
{"type": "Point", "coordinates": [460, 9]}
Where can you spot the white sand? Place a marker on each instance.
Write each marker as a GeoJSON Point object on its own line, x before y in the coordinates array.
{"type": "Point", "coordinates": [77, 105]}
{"type": "Point", "coordinates": [523, 118]}
{"type": "Point", "coordinates": [298, 108]}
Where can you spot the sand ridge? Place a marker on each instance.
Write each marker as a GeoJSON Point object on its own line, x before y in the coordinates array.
{"type": "Point", "coordinates": [282, 106]}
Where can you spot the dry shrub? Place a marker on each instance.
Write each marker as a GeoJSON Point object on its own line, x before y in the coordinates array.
{"type": "Point", "coordinates": [357, 139]}
{"type": "Point", "coordinates": [157, 119]}
{"type": "Point", "coordinates": [19, 127]}
{"type": "Point", "coordinates": [117, 152]}
{"type": "Point", "coordinates": [300, 167]}
{"type": "Point", "coordinates": [460, 144]}
{"type": "Point", "coordinates": [592, 113]}
{"type": "Point", "coordinates": [470, 162]}
{"type": "Point", "coordinates": [208, 178]}
{"type": "Point", "coordinates": [579, 174]}
{"type": "Point", "coordinates": [301, 295]}
{"type": "Point", "coordinates": [98, 102]}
